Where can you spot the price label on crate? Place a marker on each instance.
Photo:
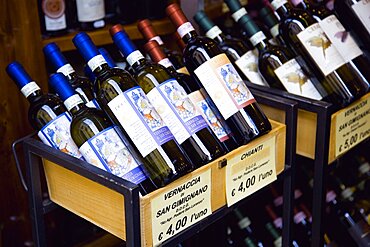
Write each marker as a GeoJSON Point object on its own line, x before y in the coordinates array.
{"type": "Point", "coordinates": [250, 170]}
{"type": "Point", "coordinates": [352, 125]}
{"type": "Point", "coordinates": [175, 210]}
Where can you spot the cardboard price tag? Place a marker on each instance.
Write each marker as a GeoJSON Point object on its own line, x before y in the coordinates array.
{"type": "Point", "coordinates": [250, 170]}
{"type": "Point", "coordinates": [180, 207]}
{"type": "Point", "coordinates": [352, 125]}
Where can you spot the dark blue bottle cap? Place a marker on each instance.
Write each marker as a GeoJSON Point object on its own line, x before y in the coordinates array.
{"type": "Point", "coordinates": [18, 74]}
{"type": "Point", "coordinates": [54, 55]}
{"type": "Point", "coordinates": [85, 46]}
{"type": "Point", "coordinates": [233, 5]}
{"type": "Point", "coordinates": [107, 57]}
{"type": "Point", "coordinates": [203, 21]}
{"type": "Point", "coordinates": [61, 86]}
{"type": "Point", "coordinates": [123, 43]}
{"type": "Point", "coordinates": [248, 25]}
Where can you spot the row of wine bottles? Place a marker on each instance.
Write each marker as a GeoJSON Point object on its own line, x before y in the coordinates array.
{"type": "Point", "coordinates": [149, 127]}
{"type": "Point", "coordinates": [57, 17]}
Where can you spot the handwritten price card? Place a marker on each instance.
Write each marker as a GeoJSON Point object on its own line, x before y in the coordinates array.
{"type": "Point", "coordinates": [250, 170]}
{"type": "Point", "coordinates": [180, 207]}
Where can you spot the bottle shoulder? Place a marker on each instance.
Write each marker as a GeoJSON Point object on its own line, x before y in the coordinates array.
{"type": "Point", "coordinates": [150, 75]}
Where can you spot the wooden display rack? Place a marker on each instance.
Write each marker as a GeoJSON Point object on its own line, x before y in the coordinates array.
{"type": "Point", "coordinates": [105, 207]}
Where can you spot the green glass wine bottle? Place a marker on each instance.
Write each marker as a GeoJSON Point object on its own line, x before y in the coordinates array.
{"type": "Point", "coordinates": [101, 144]}
{"type": "Point", "coordinates": [46, 112]}
{"type": "Point", "coordinates": [127, 106]}
{"type": "Point", "coordinates": [172, 103]}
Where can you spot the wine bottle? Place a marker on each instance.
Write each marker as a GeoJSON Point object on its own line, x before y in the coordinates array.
{"type": "Point", "coordinates": [46, 112]}
{"type": "Point", "coordinates": [244, 224]}
{"type": "Point", "coordinates": [147, 30]}
{"type": "Point", "coordinates": [340, 38]}
{"type": "Point", "coordinates": [172, 103]}
{"type": "Point", "coordinates": [272, 22]}
{"type": "Point", "coordinates": [53, 17]}
{"type": "Point", "coordinates": [90, 14]}
{"type": "Point", "coordinates": [107, 58]}
{"type": "Point", "coordinates": [306, 38]}
{"type": "Point", "coordinates": [302, 228]}
{"type": "Point", "coordinates": [99, 142]}
{"type": "Point", "coordinates": [240, 55]}
{"type": "Point", "coordinates": [277, 240]}
{"type": "Point", "coordinates": [82, 85]}
{"type": "Point", "coordinates": [127, 106]}
{"type": "Point", "coordinates": [354, 14]}
{"type": "Point", "coordinates": [277, 65]}
{"type": "Point", "coordinates": [212, 70]}
{"type": "Point", "coordinates": [210, 114]}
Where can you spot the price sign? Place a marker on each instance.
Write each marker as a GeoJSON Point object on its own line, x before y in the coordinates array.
{"type": "Point", "coordinates": [249, 171]}
{"type": "Point", "coordinates": [352, 125]}
{"type": "Point", "coordinates": [180, 207]}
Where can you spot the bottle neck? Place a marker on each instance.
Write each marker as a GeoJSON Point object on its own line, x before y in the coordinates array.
{"type": "Point", "coordinates": [31, 91]}
{"type": "Point", "coordinates": [34, 96]}
{"type": "Point", "coordinates": [98, 66]}
{"type": "Point", "coordinates": [216, 34]}
{"type": "Point", "coordinates": [259, 41]}
{"type": "Point", "coordinates": [283, 10]}
{"type": "Point", "coordinates": [165, 62]}
{"type": "Point", "coordinates": [68, 71]}
{"type": "Point", "coordinates": [74, 104]}
{"type": "Point", "coordinates": [187, 32]}
{"type": "Point", "coordinates": [136, 60]}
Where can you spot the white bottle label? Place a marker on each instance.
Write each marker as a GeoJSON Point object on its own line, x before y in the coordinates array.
{"type": "Point", "coordinates": [239, 14]}
{"type": "Point", "coordinates": [66, 69]}
{"type": "Point", "coordinates": [90, 10]}
{"type": "Point", "coordinates": [96, 61]}
{"type": "Point", "coordinates": [213, 32]}
{"type": "Point", "coordinates": [341, 39]}
{"type": "Point", "coordinates": [248, 64]}
{"type": "Point", "coordinates": [274, 31]}
{"type": "Point", "coordinates": [321, 49]}
{"type": "Point", "coordinates": [54, 15]}
{"type": "Point", "coordinates": [257, 37]}
{"type": "Point", "coordinates": [362, 10]}
{"type": "Point", "coordinates": [134, 57]}
{"type": "Point", "coordinates": [140, 120]}
{"type": "Point", "coordinates": [177, 111]}
{"type": "Point", "coordinates": [57, 134]}
{"type": "Point", "coordinates": [73, 101]}
{"type": "Point", "coordinates": [278, 3]}
{"type": "Point", "coordinates": [158, 39]}
{"type": "Point", "coordinates": [29, 88]}
{"type": "Point", "coordinates": [214, 121]}
{"type": "Point", "coordinates": [107, 151]}
{"type": "Point", "coordinates": [223, 84]}
{"type": "Point", "coordinates": [295, 80]}
{"type": "Point", "coordinates": [184, 29]}
{"type": "Point", "coordinates": [165, 62]}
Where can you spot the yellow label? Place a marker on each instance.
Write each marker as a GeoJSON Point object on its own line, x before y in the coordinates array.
{"type": "Point", "coordinates": [250, 170]}
{"type": "Point", "coordinates": [177, 208]}
{"type": "Point", "coordinates": [183, 70]}
{"type": "Point", "coordinates": [352, 125]}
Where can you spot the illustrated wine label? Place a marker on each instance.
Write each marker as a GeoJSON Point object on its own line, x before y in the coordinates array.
{"type": "Point", "coordinates": [140, 120]}
{"type": "Point", "coordinates": [248, 64]}
{"type": "Point", "coordinates": [321, 49]}
{"type": "Point", "coordinates": [90, 10]}
{"type": "Point", "coordinates": [296, 81]}
{"type": "Point", "coordinates": [341, 39]}
{"type": "Point", "coordinates": [89, 103]}
{"type": "Point", "coordinates": [57, 134]}
{"type": "Point", "coordinates": [224, 85]}
{"type": "Point", "coordinates": [107, 151]}
{"type": "Point", "coordinates": [54, 14]}
{"type": "Point", "coordinates": [213, 120]}
{"type": "Point", "coordinates": [177, 111]}
{"type": "Point", "coordinates": [362, 10]}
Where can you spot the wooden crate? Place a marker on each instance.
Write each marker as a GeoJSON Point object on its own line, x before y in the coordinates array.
{"type": "Point", "coordinates": [105, 207]}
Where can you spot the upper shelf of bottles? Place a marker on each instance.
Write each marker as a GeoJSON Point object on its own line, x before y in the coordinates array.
{"type": "Point", "coordinates": [102, 37]}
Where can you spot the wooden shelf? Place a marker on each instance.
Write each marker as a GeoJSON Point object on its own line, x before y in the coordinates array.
{"type": "Point", "coordinates": [102, 36]}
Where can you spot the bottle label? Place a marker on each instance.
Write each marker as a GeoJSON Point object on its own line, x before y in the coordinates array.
{"type": "Point", "coordinates": [96, 62]}
{"type": "Point", "coordinates": [239, 14]}
{"type": "Point", "coordinates": [89, 103]}
{"type": "Point", "coordinates": [224, 85]}
{"type": "Point", "coordinates": [278, 242]}
{"type": "Point", "coordinates": [341, 39]}
{"type": "Point", "coordinates": [107, 151]}
{"type": "Point", "coordinates": [295, 80]}
{"type": "Point", "coordinates": [213, 120]}
{"type": "Point", "coordinates": [54, 11]}
{"type": "Point", "coordinates": [165, 62]}
{"type": "Point", "coordinates": [158, 39]}
{"type": "Point", "coordinates": [176, 110]}
{"type": "Point", "coordinates": [183, 70]}
{"type": "Point", "coordinates": [257, 38]}
{"type": "Point", "coordinates": [57, 134]}
{"type": "Point", "coordinates": [362, 10]}
{"type": "Point", "coordinates": [140, 120]}
{"type": "Point", "coordinates": [29, 88]}
{"type": "Point", "coordinates": [213, 32]}
{"type": "Point", "coordinates": [134, 57]}
{"type": "Point", "coordinates": [73, 101]}
{"type": "Point", "coordinates": [274, 30]}
{"type": "Point", "coordinates": [99, 24]}
{"type": "Point", "coordinates": [299, 217]}
{"type": "Point", "coordinates": [66, 69]}
{"type": "Point", "coordinates": [184, 29]}
{"type": "Point", "coordinates": [90, 10]}
{"type": "Point", "coordinates": [321, 49]}
{"type": "Point", "coordinates": [248, 64]}
{"type": "Point", "coordinates": [278, 3]}
{"type": "Point", "coordinates": [244, 223]}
